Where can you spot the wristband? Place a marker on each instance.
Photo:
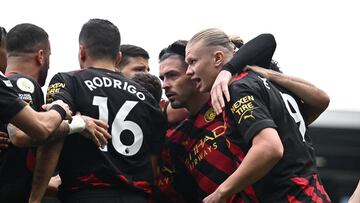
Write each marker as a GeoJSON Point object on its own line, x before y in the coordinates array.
{"type": "Point", "coordinates": [59, 109]}
{"type": "Point", "coordinates": [77, 125]}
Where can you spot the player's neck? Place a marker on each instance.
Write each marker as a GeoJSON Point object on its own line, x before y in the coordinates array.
{"type": "Point", "coordinates": [23, 67]}
{"type": "Point", "coordinates": [100, 64]}
{"type": "Point", "coordinates": [196, 102]}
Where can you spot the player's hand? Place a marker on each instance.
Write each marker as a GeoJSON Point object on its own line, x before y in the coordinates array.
{"type": "Point", "coordinates": [53, 186]}
{"type": "Point", "coordinates": [265, 73]}
{"type": "Point", "coordinates": [4, 141]}
{"type": "Point", "coordinates": [64, 105]}
{"type": "Point", "coordinates": [220, 88]}
{"type": "Point", "coordinates": [96, 130]}
{"type": "Point", "coordinates": [215, 197]}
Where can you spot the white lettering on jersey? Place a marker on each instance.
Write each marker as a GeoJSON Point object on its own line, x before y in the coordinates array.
{"type": "Point", "coordinates": [114, 83]}
{"type": "Point", "coordinates": [119, 125]}
{"type": "Point", "coordinates": [289, 100]}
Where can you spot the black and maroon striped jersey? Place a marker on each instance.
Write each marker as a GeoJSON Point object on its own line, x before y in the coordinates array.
{"type": "Point", "coordinates": [10, 103]}
{"type": "Point", "coordinates": [174, 183]}
{"type": "Point", "coordinates": [137, 126]}
{"type": "Point", "coordinates": [17, 164]}
{"type": "Point", "coordinates": [201, 145]}
{"type": "Point", "coordinates": [257, 104]}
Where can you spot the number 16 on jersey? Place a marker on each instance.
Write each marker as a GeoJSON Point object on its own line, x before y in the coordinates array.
{"type": "Point", "coordinates": [119, 125]}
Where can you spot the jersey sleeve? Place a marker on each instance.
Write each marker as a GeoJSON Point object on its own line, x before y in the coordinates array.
{"type": "Point", "coordinates": [258, 51]}
{"type": "Point", "coordinates": [60, 88]}
{"type": "Point", "coordinates": [248, 112]}
{"type": "Point", "coordinates": [28, 90]}
{"type": "Point", "coordinates": [10, 103]}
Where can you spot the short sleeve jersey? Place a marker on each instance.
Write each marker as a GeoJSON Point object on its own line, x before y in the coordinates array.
{"type": "Point", "coordinates": [17, 164]}
{"type": "Point", "coordinates": [136, 122]}
{"type": "Point", "coordinates": [257, 104]}
{"type": "Point", "coordinates": [10, 103]}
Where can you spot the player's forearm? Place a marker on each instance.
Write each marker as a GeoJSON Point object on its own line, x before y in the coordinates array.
{"type": "Point", "coordinates": [47, 157]}
{"type": "Point", "coordinates": [21, 139]}
{"type": "Point", "coordinates": [258, 51]}
{"type": "Point", "coordinates": [316, 100]}
{"type": "Point", "coordinates": [259, 160]}
{"type": "Point", "coordinates": [308, 92]}
{"type": "Point", "coordinates": [36, 125]}
{"type": "Point", "coordinates": [60, 132]}
{"type": "Point", "coordinates": [51, 121]}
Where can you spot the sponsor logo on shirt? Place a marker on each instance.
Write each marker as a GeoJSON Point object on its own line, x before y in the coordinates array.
{"type": "Point", "coordinates": [244, 108]}
{"type": "Point", "coordinates": [54, 89]}
{"type": "Point", "coordinates": [204, 147]}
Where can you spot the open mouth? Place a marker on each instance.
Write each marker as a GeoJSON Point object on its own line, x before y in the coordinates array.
{"type": "Point", "coordinates": [197, 82]}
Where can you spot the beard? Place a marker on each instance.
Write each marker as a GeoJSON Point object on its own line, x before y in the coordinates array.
{"type": "Point", "coordinates": [43, 75]}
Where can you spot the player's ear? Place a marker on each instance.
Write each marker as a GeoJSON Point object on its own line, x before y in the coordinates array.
{"type": "Point", "coordinates": [219, 58]}
{"type": "Point", "coordinates": [40, 56]}
{"type": "Point", "coordinates": [118, 58]}
{"type": "Point", "coordinates": [82, 53]}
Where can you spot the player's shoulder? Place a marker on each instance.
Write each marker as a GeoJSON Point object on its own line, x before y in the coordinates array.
{"type": "Point", "coordinates": [24, 83]}
{"type": "Point", "coordinates": [68, 73]}
{"type": "Point", "coordinates": [63, 76]}
{"type": "Point", "coordinates": [242, 81]}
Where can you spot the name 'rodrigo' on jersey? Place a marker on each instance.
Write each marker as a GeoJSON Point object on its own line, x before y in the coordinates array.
{"type": "Point", "coordinates": [136, 124]}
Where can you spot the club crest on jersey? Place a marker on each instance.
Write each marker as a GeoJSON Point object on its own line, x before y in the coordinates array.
{"type": "Point", "coordinates": [209, 115]}
{"type": "Point", "coordinates": [25, 85]}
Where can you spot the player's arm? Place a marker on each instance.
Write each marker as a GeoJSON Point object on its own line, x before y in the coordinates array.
{"type": "Point", "coordinates": [21, 139]}
{"type": "Point", "coordinates": [90, 128]}
{"type": "Point", "coordinates": [265, 152]}
{"type": "Point", "coordinates": [39, 125]}
{"type": "Point", "coordinates": [258, 51]}
{"type": "Point", "coordinates": [255, 126]}
{"type": "Point", "coordinates": [47, 157]}
{"type": "Point", "coordinates": [53, 186]}
{"type": "Point", "coordinates": [315, 100]}
{"type": "Point", "coordinates": [48, 154]}
{"type": "Point", "coordinates": [61, 88]}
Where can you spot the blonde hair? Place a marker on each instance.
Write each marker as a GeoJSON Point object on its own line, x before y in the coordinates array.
{"type": "Point", "coordinates": [214, 37]}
